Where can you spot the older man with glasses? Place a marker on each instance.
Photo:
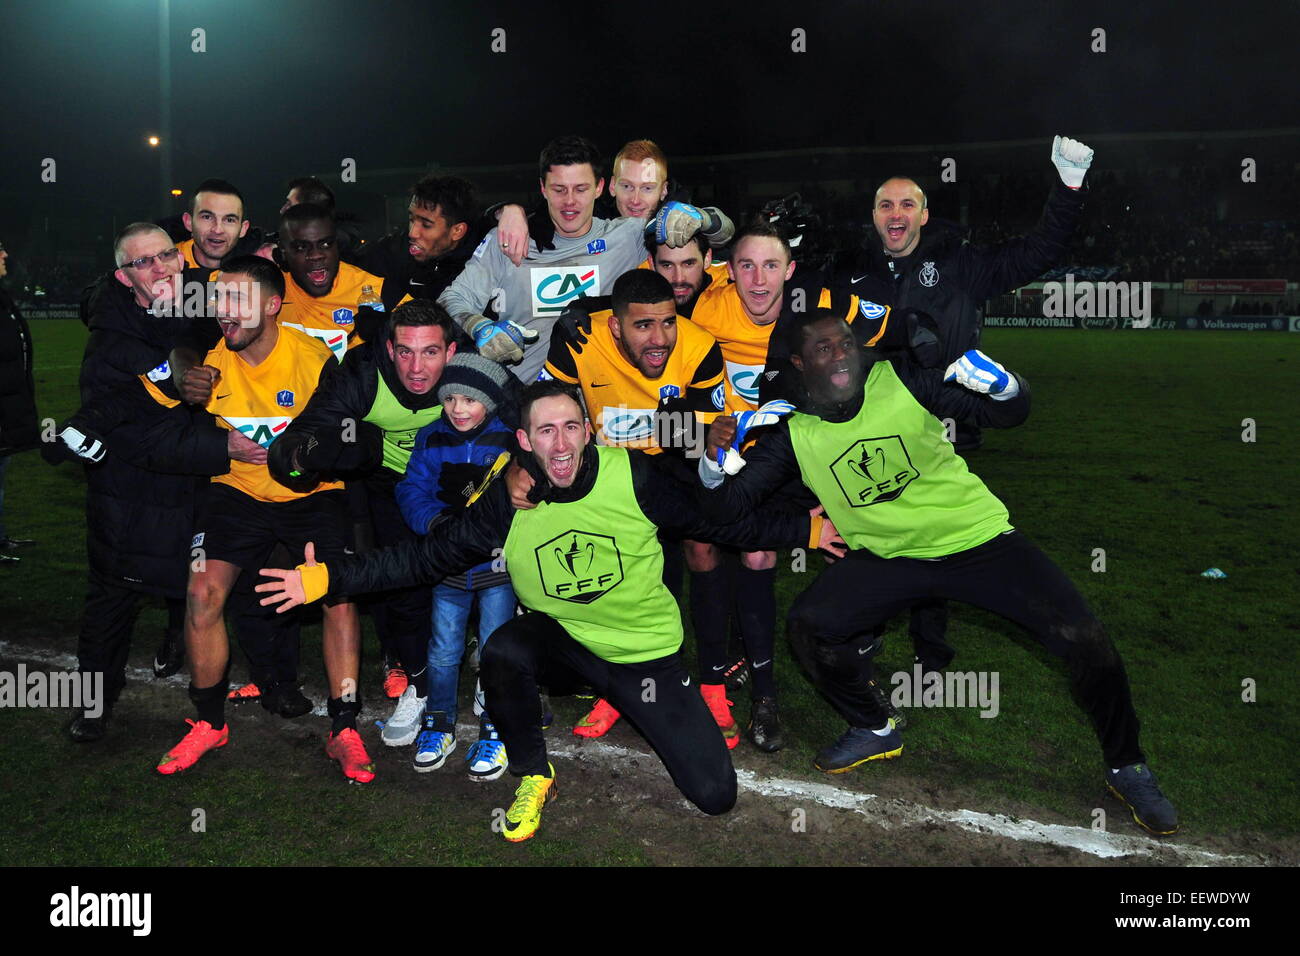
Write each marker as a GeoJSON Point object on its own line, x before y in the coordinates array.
{"type": "Point", "coordinates": [140, 495]}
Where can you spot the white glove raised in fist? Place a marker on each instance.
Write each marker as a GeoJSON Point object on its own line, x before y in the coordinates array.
{"type": "Point", "coordinates": [1071, 159]}
{"type": "Point", "coordinates": [979, 373]}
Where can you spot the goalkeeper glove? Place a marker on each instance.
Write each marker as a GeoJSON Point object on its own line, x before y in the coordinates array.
{"type": "Point", "coordinates": [769, 414]}
{"type": "Point", "coordinates": [979, 373]}
{"type": "Point", "coordinates": [501, 341]}
{"type": "Point", "coordinates": [1072, 159]}
{"type": "Point", "coordinates": [677, 222]}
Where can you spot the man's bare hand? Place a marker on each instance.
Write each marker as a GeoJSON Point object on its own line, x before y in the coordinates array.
{"type": "Point", "coordinates": [197, 383]}
{"type": "Point", "coordinates": [286, 589]}
{"type": "Point", "coordinates": [242, 448]}
{"type": "Point", "coordinates": [512, 233]}
{"type": "Point", "coordinates": [722, 432]}
{"type": "Point", "coordinates": [519, 482]}
{"type": "Point", "coordinates": [830, 541]}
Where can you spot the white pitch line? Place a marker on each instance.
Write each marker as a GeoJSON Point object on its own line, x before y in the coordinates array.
{"type": "Point", "coordinates": [872, 807]}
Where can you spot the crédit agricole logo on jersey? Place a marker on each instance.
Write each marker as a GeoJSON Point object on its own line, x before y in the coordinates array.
{"type": "Point", "coordinates": [744, 380]}
{"type": "Point", "coordinates": [261, 430]}
{"type": "Point", "coordinates": [579, 566]}
{"type": "Point", "coordinates": [554, 287]}
{"type": "Point", "coordinates": [336, 340]}
{"type": "Point", "coordinates": [874, 470]}
{"type": "Point", "coordinates": [619, 425]}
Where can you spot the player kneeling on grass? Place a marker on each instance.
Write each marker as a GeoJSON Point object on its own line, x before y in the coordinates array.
{"type": "Point", "coordinates": [588, 565]}
{"type": "Point", "coordinates": [452, 459]}
{"type": "Point", "coordinates": [867, 442]}
{"type": "Point", "coordinates": [263, 376]}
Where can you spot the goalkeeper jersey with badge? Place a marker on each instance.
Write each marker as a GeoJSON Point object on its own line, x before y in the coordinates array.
{"type": "Point", "coordinates": [620, 400]}
{"type": "Point", "coordinates": [332, 317]}
{"type": "Point", "coordinates": [261, 400]}
{"type": "Point", "coordinates": [537, 291]}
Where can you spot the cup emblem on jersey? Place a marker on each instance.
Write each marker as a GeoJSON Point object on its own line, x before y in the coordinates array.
{"type": "Point", "coordinates": [579, 566]}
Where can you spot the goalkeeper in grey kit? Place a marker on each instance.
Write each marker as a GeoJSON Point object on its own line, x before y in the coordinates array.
{"type": "Point", "coordinates": [588, 254]}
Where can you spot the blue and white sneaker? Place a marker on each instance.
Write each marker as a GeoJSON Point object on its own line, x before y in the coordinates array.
{"type": "Point", "coordinates": [432, 746]}
{"type": "Point", "coordinates": [487, 757]}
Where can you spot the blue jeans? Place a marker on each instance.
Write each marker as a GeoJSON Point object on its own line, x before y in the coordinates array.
{"type": "Point", "coordinates": [451, 607]}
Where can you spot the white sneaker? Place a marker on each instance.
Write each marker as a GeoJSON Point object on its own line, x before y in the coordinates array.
{"type": "Point", "coordinates": [404, 725]}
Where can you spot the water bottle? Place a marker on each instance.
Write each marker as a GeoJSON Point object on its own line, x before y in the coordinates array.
{"type": "Point", "coordinates": [369, 299]}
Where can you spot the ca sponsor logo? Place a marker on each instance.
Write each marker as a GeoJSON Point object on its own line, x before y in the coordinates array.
{"type": "Point", "coordinates": [579, 566]}
{"type": "Point", "coordinates": [874, 470]}
{"type": "Point", "coordinates": [337, 342]}
{"type": "Point", "coordinates": [620, 425]}
{"type": "Point", "coordinates": [744, 380]}
{"type": "Point", "coordinates": [261, 430]}
{"type": "Point", "coordinates": [554, 287]}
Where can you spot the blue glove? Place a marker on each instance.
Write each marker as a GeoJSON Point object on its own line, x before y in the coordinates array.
{"type": "Point", "coordinates": [676, 223]}
{"type": "Point", "coordinates": [769, 414]}
{"type": "Point", "coordinates": [501, 341]}
{"type": "Point", "coordinates": [979, 373]}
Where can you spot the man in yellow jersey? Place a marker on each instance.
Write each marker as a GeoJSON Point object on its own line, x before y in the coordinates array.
{"type": "Point", "coordinates": [323, 296]}
{"type": "Point", "coordinates": [650, 381]}
{"type": "Point", "coordinates": [264, 376]}
{"type": "Point", "coordinates": [215, 222]}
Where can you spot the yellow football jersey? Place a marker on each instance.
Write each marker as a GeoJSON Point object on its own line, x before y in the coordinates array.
{"type": "Point", "coordinates": [744, 344]}
{"type": "Point", "coordinates": [331, 318]}
{"type": "Point", "coordinates": [262, 400]}
{"type": "Point", "coordinates": [187, 250]}
{"type": "Point", "coordinates": [620, 399]}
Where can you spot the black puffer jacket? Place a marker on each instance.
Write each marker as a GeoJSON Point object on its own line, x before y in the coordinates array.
{"type": "Point", "coordinates": [141, 499]}
{"type": "Point", "coordinates": [18, 428]}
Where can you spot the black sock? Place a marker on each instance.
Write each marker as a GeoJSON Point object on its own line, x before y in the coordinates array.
{"type": "Point", "coordinates": [211, 702]}
{"type": "Point", "coordinates": [343, 714]}
{"type": "Point", "coordinates": [756, 603]}
{"type": "Point", "coordinates": [710, 607]}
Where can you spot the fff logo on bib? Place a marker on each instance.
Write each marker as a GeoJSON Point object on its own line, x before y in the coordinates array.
{"type": "Point", "coordinates": [874, 470]}
{"type": "Point", "coordinates": [579, 566]}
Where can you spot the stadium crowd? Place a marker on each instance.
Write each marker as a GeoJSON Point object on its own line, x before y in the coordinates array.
{"type": "Point", "coordinates": [534, 417]}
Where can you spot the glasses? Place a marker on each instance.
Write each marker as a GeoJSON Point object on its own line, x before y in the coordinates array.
{"type": "Point", "coordinates": [144, 262]}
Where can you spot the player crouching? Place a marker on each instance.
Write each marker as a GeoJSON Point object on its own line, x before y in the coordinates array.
{"type": "Point", "coordinates": [256, 380]}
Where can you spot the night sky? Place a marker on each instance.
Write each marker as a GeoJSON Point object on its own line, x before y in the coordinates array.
{"type": "Point", "coordinates": [291, 88]}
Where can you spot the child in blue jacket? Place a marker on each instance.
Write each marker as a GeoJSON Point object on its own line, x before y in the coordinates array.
{"type": "Point", "coordinates": [451, 458]}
